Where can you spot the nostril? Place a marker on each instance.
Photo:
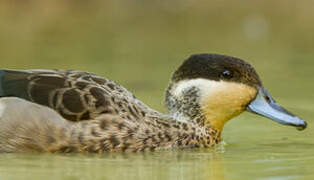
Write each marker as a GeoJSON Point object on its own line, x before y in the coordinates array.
{"type": "Point", "coordinates": [267, 99]}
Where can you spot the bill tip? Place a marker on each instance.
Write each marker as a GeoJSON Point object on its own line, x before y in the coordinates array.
{"type": "Point", "coordinates": [302, 127]}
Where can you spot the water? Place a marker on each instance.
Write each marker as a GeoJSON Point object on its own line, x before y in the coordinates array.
{"type": "Point", "coordinates": [259, 156]}
{"type": "Point", "coordinates": [139, 44]}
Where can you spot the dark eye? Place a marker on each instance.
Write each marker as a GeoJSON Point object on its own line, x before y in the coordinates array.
{"type": "Point", "coordinates": [227, 74]}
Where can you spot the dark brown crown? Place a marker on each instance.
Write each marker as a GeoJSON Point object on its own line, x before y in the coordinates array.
{"type": "Point", "coordinates": [217, 67]}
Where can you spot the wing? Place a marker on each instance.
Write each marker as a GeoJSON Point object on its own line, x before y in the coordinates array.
{"type": "Point", "coordinates": [74, 95]}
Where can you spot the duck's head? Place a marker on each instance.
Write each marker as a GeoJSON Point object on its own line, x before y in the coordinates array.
{"type": "Point", "coordinates": [211, 89]}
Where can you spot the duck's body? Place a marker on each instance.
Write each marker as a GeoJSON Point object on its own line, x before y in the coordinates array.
{"type": "Point", "coordinates": [31, 127]}
{"type": "Point", "coordinates": [97, 115]}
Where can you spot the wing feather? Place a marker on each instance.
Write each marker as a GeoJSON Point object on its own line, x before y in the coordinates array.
{"type": "Point", "coordinates": [75, 95]}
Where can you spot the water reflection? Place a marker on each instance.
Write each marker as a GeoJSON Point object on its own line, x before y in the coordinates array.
{"type": "Point", "coordinates": [177, 165]}
{"type": "Point", "coordinates": [282, 160]}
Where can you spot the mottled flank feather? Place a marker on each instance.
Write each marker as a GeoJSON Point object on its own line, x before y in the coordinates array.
{"type": "Point", "coordinates": [35, 128]}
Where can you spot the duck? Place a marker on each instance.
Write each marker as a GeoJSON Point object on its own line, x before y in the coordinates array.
{"type": "Point", "coordinates": [68, 111]}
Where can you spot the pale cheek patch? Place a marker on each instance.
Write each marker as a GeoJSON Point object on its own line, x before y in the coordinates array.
{"type": "Point", "coordinates": [220, 101]}
{"type": "Point", "coordinates": [226, 101]}
{"type": "Point", "coordinates": [203, 84]}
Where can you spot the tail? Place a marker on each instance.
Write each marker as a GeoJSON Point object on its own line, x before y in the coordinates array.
{"type": "Point", "coordinates": [1, 88]}
{"type": "Point", "coordinates": [14, 83]}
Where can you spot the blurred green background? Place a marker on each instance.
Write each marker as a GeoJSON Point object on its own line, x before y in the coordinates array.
{"type": "Point", "coordinates": [139, 43]}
